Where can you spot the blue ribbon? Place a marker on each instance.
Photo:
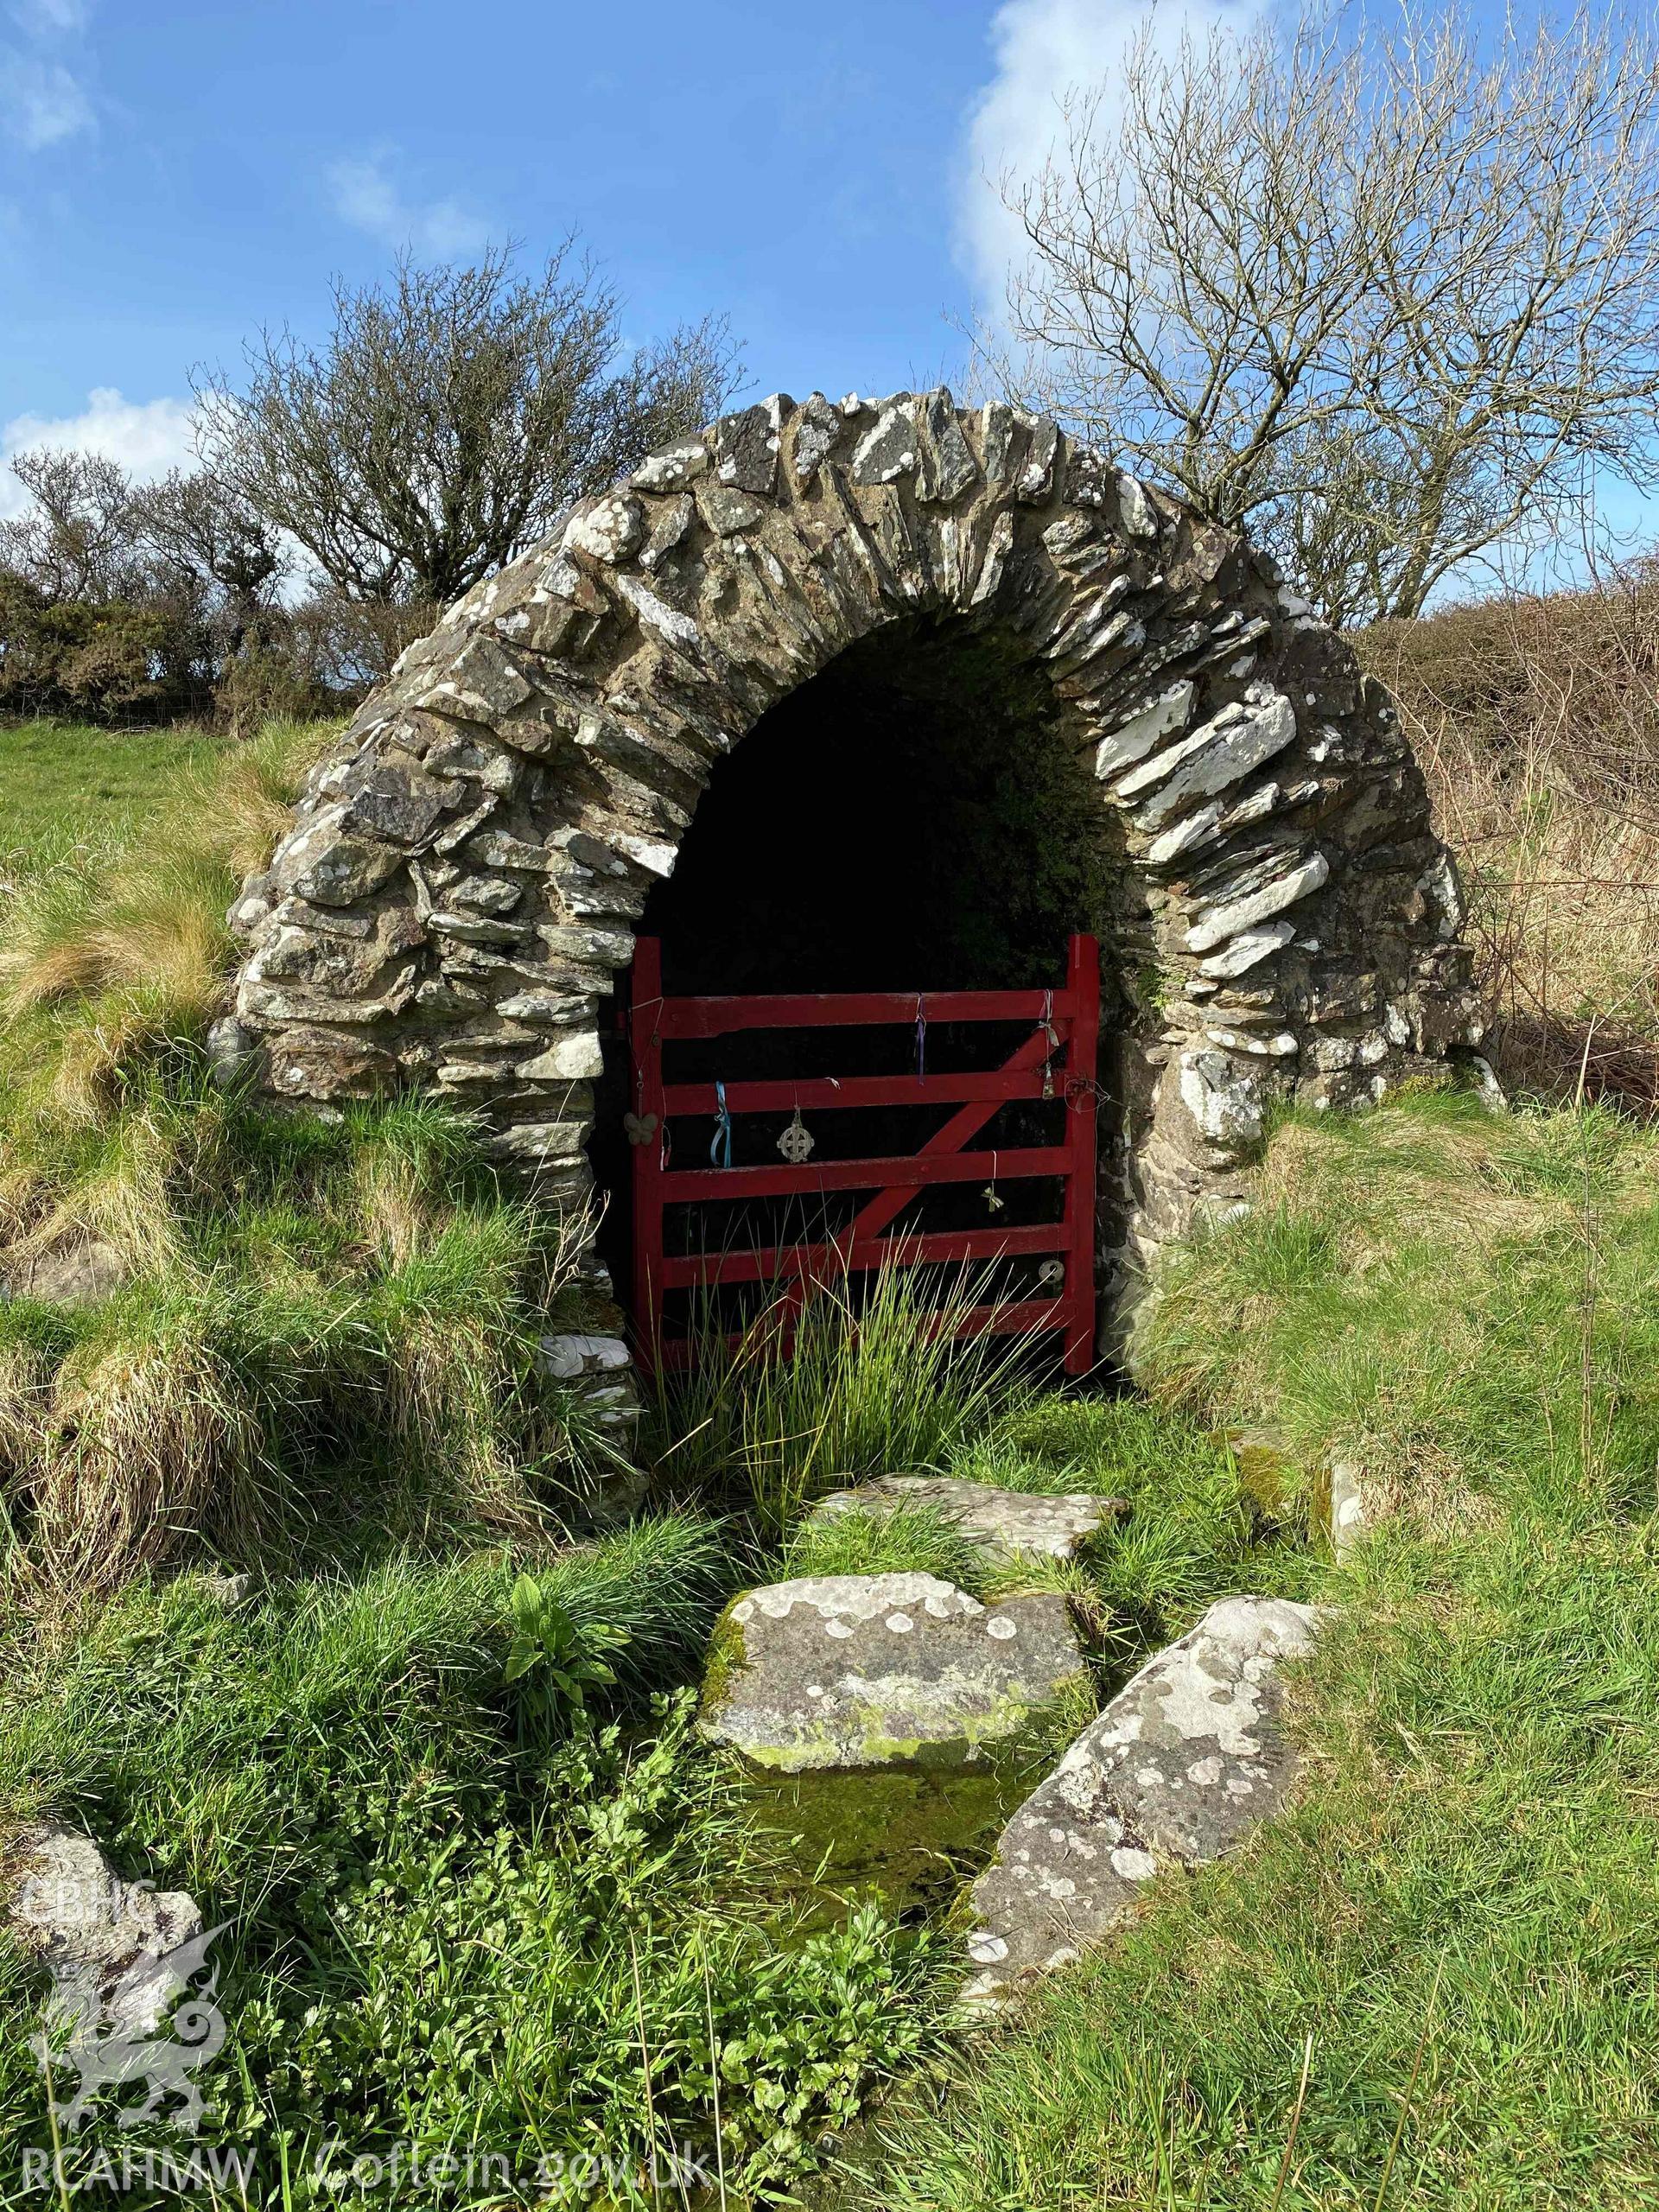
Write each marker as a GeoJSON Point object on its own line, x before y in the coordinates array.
{"type": "Point", "coordinates": [921, 1042]}
{"type": "Point", "coordinates": [723, 1143]}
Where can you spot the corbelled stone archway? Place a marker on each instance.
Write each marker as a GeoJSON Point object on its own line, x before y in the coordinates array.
{"type": "Point", "coordinates": [456, 896]}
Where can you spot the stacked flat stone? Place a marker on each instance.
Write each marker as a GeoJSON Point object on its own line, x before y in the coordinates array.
{"type": "Point", "coordinates": [458, 890]}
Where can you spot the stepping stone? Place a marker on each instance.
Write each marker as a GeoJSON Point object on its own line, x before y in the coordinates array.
{"type": "Point", "coordinates": [1009, 1524]}
{"type": "Point", "coordinates": [870, 1671]}
{"type": "Point", "coordinates": [1182, 1763]}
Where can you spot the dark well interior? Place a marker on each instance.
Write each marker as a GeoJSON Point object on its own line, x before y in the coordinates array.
{"type": "Point", "coordinates": [911, 819]}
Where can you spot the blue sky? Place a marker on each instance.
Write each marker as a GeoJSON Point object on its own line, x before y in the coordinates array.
{"type": "Point", "coordinates": [173, 177]}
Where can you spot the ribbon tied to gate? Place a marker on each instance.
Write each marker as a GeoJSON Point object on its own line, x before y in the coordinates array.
{"type": "Point", "coordinates": [921, 1039]}
{"type": "Point", "coordinates": [719, 1152]}
{"type": "Point", "coordinates": [1047, 1025]}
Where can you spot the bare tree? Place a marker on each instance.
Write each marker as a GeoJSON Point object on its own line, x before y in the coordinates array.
{"type": "Point", "coordinates": [76, 541]}
{"type": "Point", "coordinates": [200, 535]}
{"type": "Point", "coordinates": [1389, 300]}
{"type": "Point", "coordinates": [449, 416]}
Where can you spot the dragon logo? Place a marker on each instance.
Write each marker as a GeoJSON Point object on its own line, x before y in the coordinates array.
{"type": "Point", "coordinates": [110, 2030]}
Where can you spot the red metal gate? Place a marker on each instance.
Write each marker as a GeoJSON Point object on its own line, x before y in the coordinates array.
{"type": "Point", "coordinates": [1056, 1060]}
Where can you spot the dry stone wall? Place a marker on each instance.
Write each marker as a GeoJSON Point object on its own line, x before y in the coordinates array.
{"type": "Point", "coordinates": [459, 889]}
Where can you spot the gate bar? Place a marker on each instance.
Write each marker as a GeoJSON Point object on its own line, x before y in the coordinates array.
{"type": "Point", "coordinates": [1074, 1013]}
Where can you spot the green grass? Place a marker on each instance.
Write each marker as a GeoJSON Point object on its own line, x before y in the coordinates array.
{"type": "Point", "coordinates": [322, 1334]}
{"type": "Point", "coordinates": [1187, 1533]}
{"type": "Point", "coordinates": [68, 785]}
{"type": "Point", "coordinates": [459, 1914]}
{"type": "Point", "coordinates": [465, 1915]}
{"type": "Point", "coordinates": [1190, 1533]}
{"type": "Point", "coordinates": [913, 1540]}
{"type": "Point", "coordinates": [325, 1337]}
{"type": "Point", "coordinates": [113, 943]}
{"type": "Point", "coordinates": [1452, 1931]}
{"type": "Point", "coordinates": [463, 1912]}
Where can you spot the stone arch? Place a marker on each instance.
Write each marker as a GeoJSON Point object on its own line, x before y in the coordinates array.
{"type": "Point", "coordinates": [459, 889]}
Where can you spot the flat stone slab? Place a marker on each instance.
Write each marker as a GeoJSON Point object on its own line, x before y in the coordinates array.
{"type": "Point", "coordinates": [867, 1671]}
{"type": "Point", "coordinates": [1009, 1524]}
{"type": "Point", "coordinates": [1182, 1763]}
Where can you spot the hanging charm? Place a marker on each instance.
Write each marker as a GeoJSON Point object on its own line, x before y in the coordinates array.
{"type": "Point", "coordinates": [993, 1204]}
{"type": "Point", "coordinates": [1053, 1035]}
{"type": "Point", "coordinates": [796, 1143]}
{"type": "Point", "coordinates": [641, 1128]}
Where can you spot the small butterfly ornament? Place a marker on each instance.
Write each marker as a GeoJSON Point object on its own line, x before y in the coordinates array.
{"type": "Point", "coordinates": [641, 1128]}
{"type": "Point", "coordinates": [993, 1204]}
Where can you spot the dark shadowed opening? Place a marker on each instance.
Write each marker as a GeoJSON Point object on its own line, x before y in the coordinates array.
{"type": "Point", "coordinates": [915, 818]}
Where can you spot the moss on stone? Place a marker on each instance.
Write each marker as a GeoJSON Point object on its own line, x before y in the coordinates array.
{"type": "Point", "coordinates": [891, 1831]}
{"type": "Point", "coordinates": [919, 1823]}
{"type": "Point", "coordinates": [728, 1653]}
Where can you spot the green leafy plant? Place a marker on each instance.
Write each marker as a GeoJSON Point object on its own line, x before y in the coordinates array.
{"type": "Point", "coordinates": [567, 1659]}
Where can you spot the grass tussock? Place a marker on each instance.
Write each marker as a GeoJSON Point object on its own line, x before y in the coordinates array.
{"type": "Point", "coordinates": [1430, 1982]}
{"type": "Point", "coordinates": [224, 1324]}
{"type": "Point", "coordinates": [149, 1443]}
{"type": "Point", "coordinates": [806, 1400]}
{"type": "Point", "coordinates": [314, 1320]}
{"type": "Point", "coordinates": [111, 956]}
{"type": "Point", "coordinates": [1536, 720]}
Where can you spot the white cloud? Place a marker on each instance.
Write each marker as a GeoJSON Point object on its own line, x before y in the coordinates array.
{"type": "Point", "coordinates": [41, 102]}
{"type": "Point", "coordinates": [368, 197]}
{"type": "Point", "coordinates": [1043, 49]}
{"type": "Point", "coordinates": [51, 18]}
{"type": "Point", "coordinates": [148, 437]}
